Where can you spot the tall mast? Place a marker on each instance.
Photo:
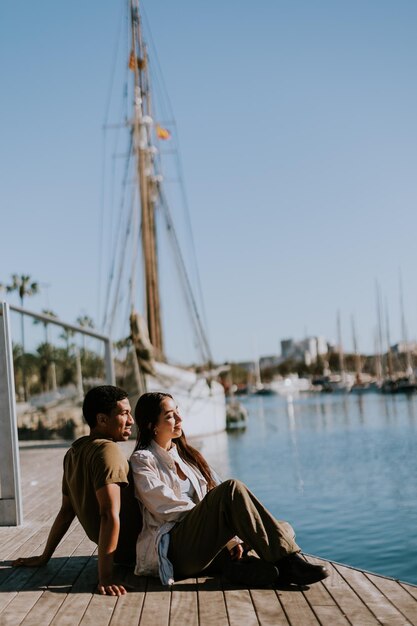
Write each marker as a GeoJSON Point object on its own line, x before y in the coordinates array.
{"type": "Point", "coordinates": [358, 365]}
{"type": "Point", "coordinates": [148, 183]}
{"type": "Point", "coordinates": [409, 369]}
{"type": "Point", "coordinates": [339, 339]}
{"type": "Point", "coordinates": [389, 354]}
{"type": "Point", "coordinates": [379, 369]}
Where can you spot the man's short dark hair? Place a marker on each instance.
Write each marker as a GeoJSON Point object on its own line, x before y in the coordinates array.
{"type": "Point", "coordinates": [101, 399]}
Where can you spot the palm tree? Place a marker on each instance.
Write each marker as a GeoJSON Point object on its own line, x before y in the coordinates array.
{"type": "Point", "coordinates": [46, 358]}
{"type": "Point", "coordinates": [67, 334]}
{"type": "Point", "coordinates": [45, 323]}
{"type": "Point", "coordinates": [24, 286]}
{"type": "Point", "coordinates": [67, 356]}
{"type": "Point", "coordinates": [86, 322]}
{"type": "Point", "coordinates": [48, 354]}
{"type": "Point", "coordinates": [17, 367]}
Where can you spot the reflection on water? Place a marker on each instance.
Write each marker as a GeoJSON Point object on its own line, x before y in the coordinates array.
{"type": "Point", "coordinates": [293, 435]}
{"type": "Point", "coordinates": [341, 468]}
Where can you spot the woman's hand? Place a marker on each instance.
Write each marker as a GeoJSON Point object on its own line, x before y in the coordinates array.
{"type": "Point", "coordinates": [236, 552]}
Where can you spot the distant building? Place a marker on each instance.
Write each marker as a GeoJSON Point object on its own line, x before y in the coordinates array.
{"type": "Point", "coordinates": [402, 347]}
{"type": "Point", "coordinates": [269, 361]}
{"type": "Point", "coordinates": [305, 350]}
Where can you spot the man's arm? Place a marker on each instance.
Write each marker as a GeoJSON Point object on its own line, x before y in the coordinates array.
{"type": "Point", "coordinates": [108, 498]}
{"type": "Point", "coordinates": [58, 529]}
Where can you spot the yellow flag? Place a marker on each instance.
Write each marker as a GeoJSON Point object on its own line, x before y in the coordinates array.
{"type": "Point", "coordinates": [162, 133]}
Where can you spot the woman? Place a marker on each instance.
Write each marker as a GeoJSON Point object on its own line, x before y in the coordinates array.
{"type": "Point", "coordinates": [189, 517]}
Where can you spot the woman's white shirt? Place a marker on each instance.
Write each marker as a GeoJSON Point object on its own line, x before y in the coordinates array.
{"type": "Point", "coordinates": [187, 490]}
{"type": "Point", "coordinates": [158, 489]}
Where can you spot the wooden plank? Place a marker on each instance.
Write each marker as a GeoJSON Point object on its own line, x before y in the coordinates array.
{"type": "Point", "coordinates": [400, 597]}
{"type": "Point", "coordinates": [29, 547]}
{"type": "Point", "coordinates": [17, 579]}
{"type": "Point", "coordinates": [9, 576]}
{"type": "Point", "coordinates": [13, 582]}
{"type": "Point", "coordinates": [76, 602]}
{"type": "Point", "coordinates": [296, 607]}
{"type": "Point", "coordinates": [62, 593]}
{"type": "Point", "coordinates": [31, 583]}
{"type": "Point", "coordinates": [412, 589]}
{"type": "Point", "coordinates": [327, 612]}
{"type": "Point", "coordinates": [12, 545]}
{"type": "Point", "coordinates": [211, 603]}
{"type": "Point", "coordinates": [184, 603]}
{"type": "Point", "coordinates": [376, 601]}
{"type": "Point", "coordinates": [99, 611]}
{"type": "Point", "coordinates": [44, 609]}
{"type": "Point", "coordinates": [299, 604]}
{"type": "Point", "coordinates": [350, 604]}
{"type": "Point", "coordinates": [52, 599]}
{"type": "Point", "coordinates": [268, 607]}
{"type": "Point", "coordinates": [5, 599]}
{"type": "Point", "coordinates": [239, 606]}
{"type": "Point", "coordinates": [322, 603]}
{"type": "Point", "coordinates": [17, 610]}
{"type": "Point", "coordinates": [329, 615]}
{"type": "Point", "coordinates": [72, 609]}
{"type": "Point", "coordinates": [129, 607]}
{"type": "Point", "coordinates": [156, 606]}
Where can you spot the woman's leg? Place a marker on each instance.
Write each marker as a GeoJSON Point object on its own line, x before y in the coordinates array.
{"type": "Point", "coordinates": [228, 510]}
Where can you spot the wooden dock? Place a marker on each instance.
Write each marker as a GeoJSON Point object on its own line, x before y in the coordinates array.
{"type": "Point", "coordinates": [62, 592]}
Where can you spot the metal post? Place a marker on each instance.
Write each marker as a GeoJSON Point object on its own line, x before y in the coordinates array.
{"type": "Point", "coordinates": [11, 513]}
{"type": "Point", "coordinates": [108, 355]}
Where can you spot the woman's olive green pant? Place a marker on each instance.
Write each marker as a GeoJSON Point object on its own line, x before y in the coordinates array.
{"type": "Point", "coordinates": [227, 510]}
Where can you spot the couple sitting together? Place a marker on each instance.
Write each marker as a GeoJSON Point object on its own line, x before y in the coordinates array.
{"type": "Point", "coordinates": [188, 522]}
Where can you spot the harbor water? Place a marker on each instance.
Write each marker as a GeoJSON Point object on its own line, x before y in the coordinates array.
{"type": "Point", "coordinates": [341, 468]}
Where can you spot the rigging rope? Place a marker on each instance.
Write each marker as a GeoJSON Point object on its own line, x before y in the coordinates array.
{"type": "Point", "coordinates": [104, 160]}
{"type": "Point", "coordinates": [166, 104]}
{"type": "Point", "coordinates": [200, 333]}
{"type": "Point", "coordinates": [119, 245]}
{"type": "Point", "coordinates": [123, 247]}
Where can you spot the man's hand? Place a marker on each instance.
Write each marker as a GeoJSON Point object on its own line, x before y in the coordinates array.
{"type": "Point", "coordinates": [236, 552]}
{"type": "Point", "coordinates": [111, 589]}
{"type": "Point", "coordinates": [30, 561]}
{"type": "Point", "coordinates": [58, 529]}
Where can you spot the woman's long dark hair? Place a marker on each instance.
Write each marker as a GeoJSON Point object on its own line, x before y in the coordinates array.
{"type": "Point", "coordinates": [147, 411]}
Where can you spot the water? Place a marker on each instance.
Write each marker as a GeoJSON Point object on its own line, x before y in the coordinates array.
{"type": "Point", "coordinates": [342, 469]}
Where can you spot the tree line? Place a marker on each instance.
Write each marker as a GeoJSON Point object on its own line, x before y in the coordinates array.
{"type": "Point", "coordinates": [49, 366]}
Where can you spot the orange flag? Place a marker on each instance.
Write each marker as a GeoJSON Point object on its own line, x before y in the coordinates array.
{"type": "Point", "coordinates": [132, 61]}
{"type": "Point", "coordinates": [162, 133]}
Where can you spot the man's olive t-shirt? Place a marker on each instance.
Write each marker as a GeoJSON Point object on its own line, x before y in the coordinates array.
{"type": "Point", "coordinates": [92, 463]}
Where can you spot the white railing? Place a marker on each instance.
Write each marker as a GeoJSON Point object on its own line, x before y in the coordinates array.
{"type": "Point", "coordinates": [11, 513]}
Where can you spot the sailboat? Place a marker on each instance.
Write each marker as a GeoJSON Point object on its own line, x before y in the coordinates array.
{"type": "Point", "coordinates": [342, 382]}
{"type": "Point", "coordinates": [362, 383]}
{"type": "Point", "coordinates": [406, 381]}
{"type": "Point", "coordinates": [199, 394]}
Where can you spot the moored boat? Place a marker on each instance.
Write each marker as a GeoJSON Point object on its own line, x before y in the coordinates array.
{"type": "Point", "coordinates": [200, 396]}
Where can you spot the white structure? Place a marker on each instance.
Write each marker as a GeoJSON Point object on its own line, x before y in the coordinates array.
{"type": "Point", "coordinates": [306, 350]}
{"type": "Point", "coordinates": [10, 494]}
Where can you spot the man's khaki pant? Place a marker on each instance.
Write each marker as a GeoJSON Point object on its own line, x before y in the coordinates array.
{"type": "Point", "coordinates": [227, 510]}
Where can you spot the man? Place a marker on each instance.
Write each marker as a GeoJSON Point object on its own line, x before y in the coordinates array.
{"type": "Point", "coordinates": [95, 470]}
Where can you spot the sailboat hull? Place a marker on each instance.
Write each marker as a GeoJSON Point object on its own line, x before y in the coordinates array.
{"type": "Point", "coordinates": [201, 401]}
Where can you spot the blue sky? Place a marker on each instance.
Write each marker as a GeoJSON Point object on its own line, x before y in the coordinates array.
{"type": "Point", "coordinates": [298, 132]}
